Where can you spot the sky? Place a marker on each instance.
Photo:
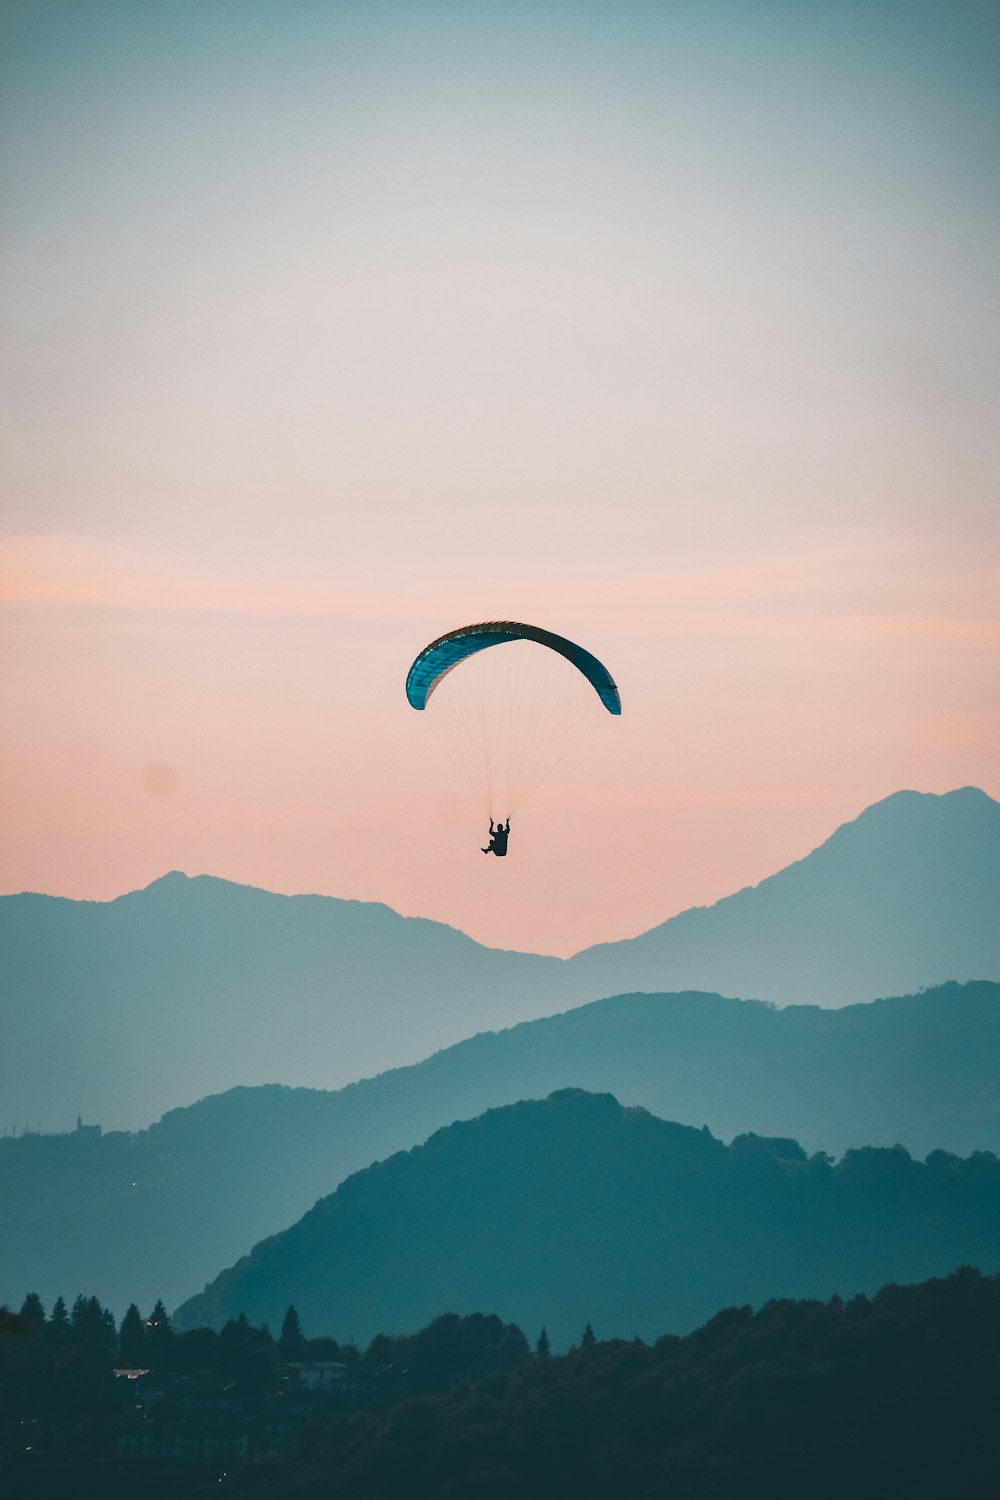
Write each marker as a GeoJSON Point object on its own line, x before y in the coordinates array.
{"type": "Point", "coordinates": [326, 328]}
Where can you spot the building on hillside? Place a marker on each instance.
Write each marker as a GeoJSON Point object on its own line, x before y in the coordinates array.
{"type": "Point", "coordinates": [314, 1375]}
{"type": "Point", "coordinates": [183, 1443]}
{"type": "Point", "coordinates": [359, 1385]}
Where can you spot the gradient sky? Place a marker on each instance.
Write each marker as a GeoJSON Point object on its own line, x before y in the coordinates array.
{"type": "Point", "coordinates": [327, 327]}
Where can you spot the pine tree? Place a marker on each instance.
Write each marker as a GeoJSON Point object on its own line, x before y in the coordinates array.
{"type": "Point", "coordinates": [32, 1311]}
{"type": "Point", "coordinates": [58, 1329]}
{"type": "Point", "coordinates": [159, 1337]}
{"type": "Point", "coordinates": [588, 1338]}
{"type": "Point", "coordinates": [291, 1344]}
{"type": "Point", "coordinates": [92, 1332]}
{"type": "Point", "coordinates": [234, 1347]}
{"type": "Point", "coordinates": [543, 1348]}
{"type": "Point", "coordinates": [132, 1341]}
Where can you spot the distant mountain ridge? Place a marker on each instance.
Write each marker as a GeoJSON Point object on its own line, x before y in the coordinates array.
{"type": "Point", "coordinates": [572, 1209]}
{"type": "Point", "coordinates": [906, 895]}
{"type": "Point", "coordinates": [114, 1215]}
{"type": "Point", "coordinates": [192, 986]}
{"type": "Point", "coordinates": [121, 1009]}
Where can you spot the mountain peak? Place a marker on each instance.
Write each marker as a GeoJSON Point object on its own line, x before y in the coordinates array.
{"type": "Point", "coordinates": [904, 895]}
{"type": "Point", "coordinates": [177, 883]}
{"type": "Point", "coordinates": [909, 815]}
{"type": "Point", "coordinates": [961, 799]}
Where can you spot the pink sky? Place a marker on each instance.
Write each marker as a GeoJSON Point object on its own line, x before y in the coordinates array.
{"type": "Point", "coordinates": [323, 340]}
{"type": "Point", "coordinates": [162, 722]}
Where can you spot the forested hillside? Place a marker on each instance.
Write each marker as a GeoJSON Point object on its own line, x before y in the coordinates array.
{"type": "Point", "coordinates": [869, 1398]}
{"type": "Point", "coordinates": [574, 1208]}
{"type": "Point", "coordinates": [896, 1396]}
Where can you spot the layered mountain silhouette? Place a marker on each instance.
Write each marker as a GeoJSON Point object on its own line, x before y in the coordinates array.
{"type": "Point", "coordinates": [908, 894]}
{"type": "Point", "coordinates": [113, 1215]}
{"type": "Point", "coordinates": [125, 1008]}
{"type": "Point", "coordinates": [575, 1209]}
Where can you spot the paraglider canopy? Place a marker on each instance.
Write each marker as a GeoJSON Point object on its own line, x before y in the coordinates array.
{"type": "Point", "coordinates": [437, 659]}
{"type": "Point", "coordinates": [507, 718]}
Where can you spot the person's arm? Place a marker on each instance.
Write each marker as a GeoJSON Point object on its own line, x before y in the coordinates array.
{"type": "Point", "coordinates": [492, 829]}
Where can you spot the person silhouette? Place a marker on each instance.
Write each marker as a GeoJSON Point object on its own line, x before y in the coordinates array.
{"type": "Point", "coordinates": [498, 838]}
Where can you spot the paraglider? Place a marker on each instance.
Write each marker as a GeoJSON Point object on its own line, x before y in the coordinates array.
{"type": "Point", "coordinates": [507, 718]}
{"type": "Point", "coordinates": [498, 839]}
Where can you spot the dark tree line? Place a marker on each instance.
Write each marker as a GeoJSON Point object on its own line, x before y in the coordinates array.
{"type": "Point", "coordinates": [891, 1395]}
{"type": "Point", "coordinates": [88, 1335]}
{"type": "Point", "coordinates": [59, 1393]}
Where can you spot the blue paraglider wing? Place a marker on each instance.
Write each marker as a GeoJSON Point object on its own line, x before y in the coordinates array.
{"type": "Point", "coordinates": [437, 659]}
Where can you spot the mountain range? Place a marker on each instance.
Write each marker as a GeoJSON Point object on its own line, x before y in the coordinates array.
{"type": "Point", "coordinates": [574, 1209]}
{"type": "Point", "coordinates": [113, 1215]}
{"type": "Point", "coordinates": [122, 1009]}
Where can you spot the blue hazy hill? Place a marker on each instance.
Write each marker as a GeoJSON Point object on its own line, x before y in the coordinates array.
{"type": "Point", "coordinates": [125, 1008]}
{"type": "Point", "coordinates": [114, 1215]}
{"type": "Point", "coordinates": [574, 1208]}
{"type": "Point", "coordinates": [907, 894]}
